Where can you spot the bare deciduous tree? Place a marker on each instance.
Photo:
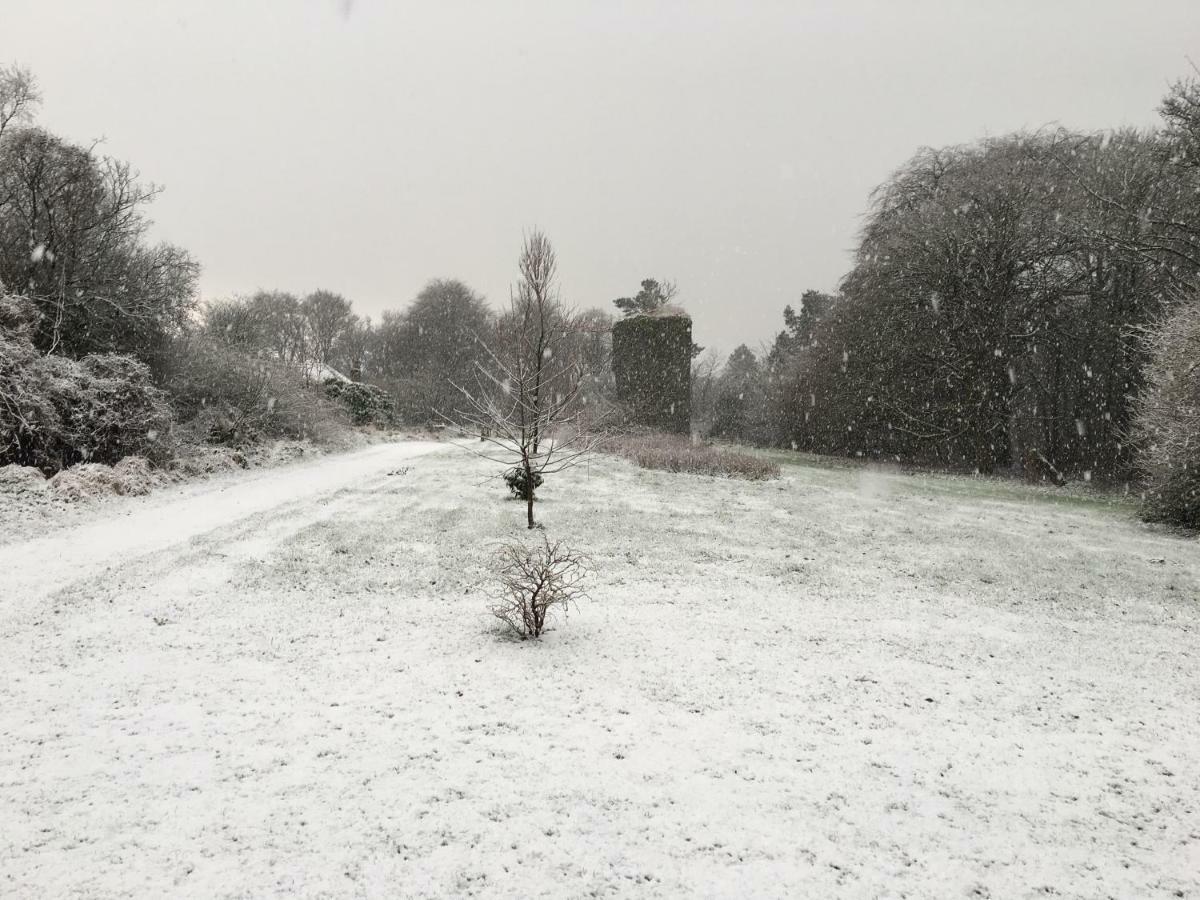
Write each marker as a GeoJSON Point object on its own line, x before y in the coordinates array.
{"type": "Point", "coordinates": [524, 403]}
{"type": "Point", "coordinates": [18, 95]}
{"type": "Point", "coordinates": [73, 235]}
{"type": "Point", "coordinates": [328, 316]}
{"type": "Point", "coordinates": [353, 345]}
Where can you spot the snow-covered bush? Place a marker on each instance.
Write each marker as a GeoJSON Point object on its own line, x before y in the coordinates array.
{"type": "Point", "coordinates": [18, 316]}
{"type": "Point", "coordinates": [366, 403]}
{"type": "Point", "coordinates": [55, 411]}
{"type": "Point", "coordinates": [85, 481]}
{"type": "Point", "coordinates": [1167, 423]}
{"type": "Point", "coordinates": [30, 426]}
{"type": "Point", "coordinates": [132, 476]}
{"type": "Point", "coordinates": [16, 480]}
{"type": "Point", "coordinates": [518, 482]}
{"type": "Point", "coordinates": [114, 411]}
{"type": "Point", "coordinates": [203, 459]}
{"type": "Point", "coordinates": [534, 581]}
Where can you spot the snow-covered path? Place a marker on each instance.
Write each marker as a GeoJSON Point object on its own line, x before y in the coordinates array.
{"type": "Point", "coordinates": [844, 683]}
{"type": "Point", "coordinates": [129, 530]}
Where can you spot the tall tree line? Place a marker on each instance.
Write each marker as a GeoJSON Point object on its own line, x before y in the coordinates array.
{"type": "Point", "coordinates": [994, 317]}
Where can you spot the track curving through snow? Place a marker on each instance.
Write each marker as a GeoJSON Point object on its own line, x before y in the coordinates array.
{"type": "Point", "coordinates": [129, 530]}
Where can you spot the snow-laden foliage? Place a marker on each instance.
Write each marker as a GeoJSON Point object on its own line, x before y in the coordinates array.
{"type": "Point", "coordinates": [131, 476]}
{"type": "Point", "coordinates": [522, 486]}
{"type": "Point", "coordinates": [19, 480]}
{"type": "Point", "coordinates": [366, 404]}
{"type": "Point", "coordinates": [1167, 424]}
{"type": "Point", "coordinates": [55, 412]}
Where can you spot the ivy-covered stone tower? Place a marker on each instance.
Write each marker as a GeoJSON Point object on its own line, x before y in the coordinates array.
{"type": "Point", "coordinates": [652, 362]}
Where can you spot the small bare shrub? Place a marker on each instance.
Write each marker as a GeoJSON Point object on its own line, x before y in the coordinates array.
{"type": "Point", "coordinates": [672, 453]}
{"type": "Point", "coordinates": [534, 581]}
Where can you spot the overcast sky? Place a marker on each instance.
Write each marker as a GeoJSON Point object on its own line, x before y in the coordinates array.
{"type": "Point", "coordinates": [369, 146]}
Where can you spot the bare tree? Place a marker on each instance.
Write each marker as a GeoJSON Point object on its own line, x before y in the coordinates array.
{"type": "Point", "coordinates": [73, 235]}
{"type": "Point", "coordinates": [353, 346]}
{"type": "Point", "coordinates": [439, 345]}
{"type": "Point", "coordinates": [524, 400]}
{"type": "Point", "coordinates": [704, 387]}
{"type": "Point", "coordinates": [18, 95]}
{"type": "Point", "coordinates": [328, 316]}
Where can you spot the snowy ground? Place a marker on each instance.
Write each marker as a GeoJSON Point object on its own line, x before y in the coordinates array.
{"type": "Point", "coordinates": [843, 683]}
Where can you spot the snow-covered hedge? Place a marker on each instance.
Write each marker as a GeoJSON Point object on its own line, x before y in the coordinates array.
{"type": "Point", "coordinates": [652, 364]}
{"type": "Point", "coordinates": [1167, 425]}
{"type": "Point", "coordinates": [56, 412]}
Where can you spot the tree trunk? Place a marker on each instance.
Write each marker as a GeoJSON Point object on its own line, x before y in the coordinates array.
{"type": "Point", "coordinates": [528, 491]}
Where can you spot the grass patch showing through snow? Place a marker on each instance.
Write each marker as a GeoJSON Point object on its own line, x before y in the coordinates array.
{"type": "Point", "coordinates": [964, 486]}
{"type": "Point", "coordinates": [674, 453]}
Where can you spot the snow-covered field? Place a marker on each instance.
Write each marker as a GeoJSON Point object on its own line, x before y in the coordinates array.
{"type": "Point", "coordinates": [842, 683]}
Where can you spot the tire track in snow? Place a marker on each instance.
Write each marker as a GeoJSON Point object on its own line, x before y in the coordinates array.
{"type": "Point", "coordinates": [35, 569]}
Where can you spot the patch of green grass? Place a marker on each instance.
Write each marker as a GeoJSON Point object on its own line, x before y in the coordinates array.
{"type": "Point", "coordinates": [963, 486]}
